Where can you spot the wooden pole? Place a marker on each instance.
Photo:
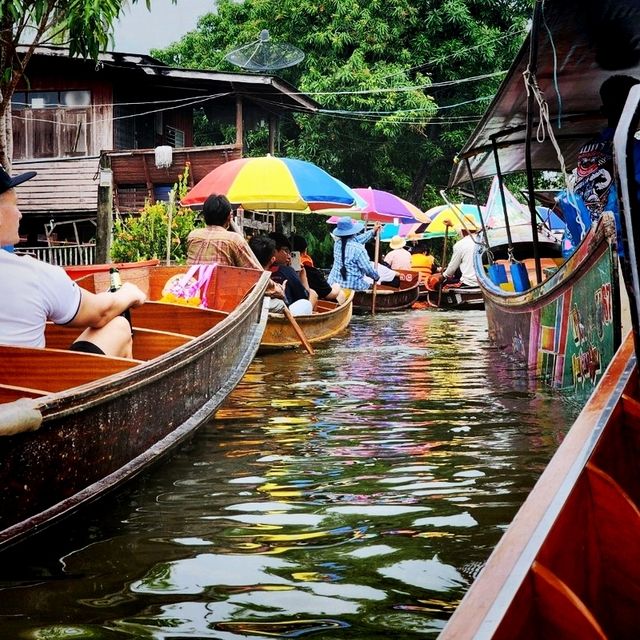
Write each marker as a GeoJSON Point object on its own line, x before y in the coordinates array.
{"type": "Point", "coordinates": [298, 329]}
{"type": "Point", "coordinates": [443, 262]}
{"type": "Point", "coordinates": [104, 219]}
{"type": "Point", "coordinates": [444, 257]}
{"type": "Point", "coordinates": [170, 207]}
{"type": "Point", "coordinates": [376, 257]}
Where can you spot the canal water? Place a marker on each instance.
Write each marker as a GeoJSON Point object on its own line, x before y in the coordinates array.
{"type": "Point", "coordinates": [353, 494]}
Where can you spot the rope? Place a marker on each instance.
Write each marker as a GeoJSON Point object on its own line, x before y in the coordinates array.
{"type": "Point", "coordinates": [544, 125]}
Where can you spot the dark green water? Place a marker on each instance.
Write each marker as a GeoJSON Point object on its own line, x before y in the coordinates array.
{"type": "Point", "coordinates": [353, 494]}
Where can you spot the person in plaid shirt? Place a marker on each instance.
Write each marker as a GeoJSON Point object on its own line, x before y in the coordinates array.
{"type": "Point", "coordinates": [350, 260]}
{"type": "Point", "coordinates": [215, 243]}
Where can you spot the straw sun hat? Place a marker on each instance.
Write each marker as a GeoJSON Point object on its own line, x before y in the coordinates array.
{"type": "Point", "coordinates": [397, 242]}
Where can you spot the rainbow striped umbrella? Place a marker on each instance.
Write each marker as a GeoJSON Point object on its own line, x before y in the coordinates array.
{"type": "Point", "coordinates": [272, 184]}
{"type": "Point", "coordinates": [382, 205]}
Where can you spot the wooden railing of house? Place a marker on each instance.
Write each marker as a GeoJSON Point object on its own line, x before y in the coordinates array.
{"type": "Point", "coordinates": [62, 255]}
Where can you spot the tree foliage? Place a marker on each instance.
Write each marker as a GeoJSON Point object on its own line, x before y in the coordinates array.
{"type": "Point", "coordinates": [84, 26]}
{"type": "Point", "coordinates": [389, 76]}
{"type": "Point", "coordinates": [143, 236]}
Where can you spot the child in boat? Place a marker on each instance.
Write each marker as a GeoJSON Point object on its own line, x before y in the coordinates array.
{"type": "Point", "coordinates": [422, 260]}
{"type": "Point", "coordinates": [264, 248]}
{"type": "Point", "coordinates": [281, 271]}
{"type": "Point", "coordinates": [315, 277]}
{"type": "Point", "coordinates": [34, 292]}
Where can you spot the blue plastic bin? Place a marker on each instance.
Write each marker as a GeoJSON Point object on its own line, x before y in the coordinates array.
{"type": "Point", "coordinates": [519, 276]}
{"type": "Point", "coordinates": [497, 273]}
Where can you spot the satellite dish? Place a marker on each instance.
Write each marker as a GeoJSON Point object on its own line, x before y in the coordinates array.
{"type": "Point", "coordinates": [264, 55]}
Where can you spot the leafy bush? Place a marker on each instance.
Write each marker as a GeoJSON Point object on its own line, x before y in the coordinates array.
{"type": "Point", "coordinates": [144, 236]}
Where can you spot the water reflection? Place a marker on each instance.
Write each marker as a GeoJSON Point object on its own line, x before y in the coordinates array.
{"type": "Point", "coordinates": [352, 494]}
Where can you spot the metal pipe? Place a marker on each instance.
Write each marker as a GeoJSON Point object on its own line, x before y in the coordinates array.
{"type": "Point", "coordinates": [502, 198]}
{"type": "Point", "coordinates": [531, 78]}
{"type": "Point", "coordinates": [475, 196]}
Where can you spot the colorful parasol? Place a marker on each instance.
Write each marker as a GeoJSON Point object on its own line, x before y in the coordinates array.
{"type": "Point", "coordinates": [409, 231]}
{"type": "Point", "coordinates": [375, 205]}
{"type": "Point", "coordinates": [457, 216]}
{"type": "Point", "coordinates": [388, 205]}
{"type": "Point", "coordinates": [272, 184]}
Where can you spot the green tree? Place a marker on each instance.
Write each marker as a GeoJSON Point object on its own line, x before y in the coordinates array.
{"type": "Point", "coordinates": [85, 26]}
{"type": "Point", "coordinates": [392, 78]}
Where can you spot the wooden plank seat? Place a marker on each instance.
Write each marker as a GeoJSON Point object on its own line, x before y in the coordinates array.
{"type": "Point", "coordinates": [147, 343]}
{"type": "Point", "coordinates": [191, 321]}
{"type": "Point", "coordinates": [11, 392]}
{"type": "Point", "coordinates": [54, 370]}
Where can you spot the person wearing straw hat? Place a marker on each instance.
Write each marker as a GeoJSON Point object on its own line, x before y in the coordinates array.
{"type": "Point", "coordinates": [34, 292]}
{"type": "Point", "coordinates": [350, 260]}
{"type": "Point", "coordinates": [398, 257]}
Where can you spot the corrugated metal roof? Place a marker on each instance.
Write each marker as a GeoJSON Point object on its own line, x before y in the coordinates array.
{"type": "Point", "coordinates": [256, 86]}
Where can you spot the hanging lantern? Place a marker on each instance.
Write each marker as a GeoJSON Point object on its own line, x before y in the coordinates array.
{"type": "Point", "coordinates": [164, 157]}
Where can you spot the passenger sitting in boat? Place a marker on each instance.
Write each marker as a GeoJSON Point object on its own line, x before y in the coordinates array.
{"type": "Point", "coordinates": [264, 249]}
{"type": "Point", "coordinates": [315, 277]}
{"type": "Point", "coordinates": [281, 271]}
{"type": "Point", "coordinates": [350, 260]}
{"type": "Point", "coordinates": [33, 292]}
{"type": "Point", "coordinates": [215, 243]}
{"type": "Point", "coordinates": [398, 257]}
{"type": "Point", "coordinates": [422, 260]}
{"type": "Point", "coordinates": [387, 275]}
{"type": "Point", "coordinates": [462, 258]}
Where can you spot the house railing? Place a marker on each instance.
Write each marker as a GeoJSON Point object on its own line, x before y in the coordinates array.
{"type": "Point", "coordinates": [62, 255]}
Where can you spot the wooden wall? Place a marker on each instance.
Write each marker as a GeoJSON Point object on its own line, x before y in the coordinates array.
{"type": "Point", "coordinates": [61, 186]}
{"type": "Point", "coordinates": [135, 174]}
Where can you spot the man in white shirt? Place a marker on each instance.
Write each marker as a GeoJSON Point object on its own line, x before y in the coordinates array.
{"type": "Point", "coordinates": [462, 258]}
{"type": "Point", "coordinates": [33, 292]}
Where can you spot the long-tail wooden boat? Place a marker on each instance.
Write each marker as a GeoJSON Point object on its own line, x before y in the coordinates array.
{"type": "Point", "coordinates": [567, 567]}
{"type": "Point", "coordinates": [566, 329]}
{"type": "Point", "coordinates": [75, 425]}
{"type": "Point", "coordinates": [451, 296]}
{"type": "Point", "coordinates": [389, 298]}
{"type": "Point", "coordinates": [563, 320]}
{"type": "Point", "coordinates": [328, 320]}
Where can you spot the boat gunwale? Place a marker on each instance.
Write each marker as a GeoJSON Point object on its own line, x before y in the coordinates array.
{"type": "Point", "coordinates": [59, 404]}
{"type": "Point", "coordinates": [158, 450]}
{"type": "Point", "coordinates": [561, 281]}
{"type": "Point", "coordinates": [340, 314]}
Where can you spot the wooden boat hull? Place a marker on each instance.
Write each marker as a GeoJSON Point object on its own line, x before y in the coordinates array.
{"type": "Point", "coordinates": [454, 298]}
{"type": "Point", "coordinates": [567, 329]}
{"type": "Point", "coordinates": [328, 321]}
{"type": "Point", "coordinates": [567, 567]}
{"type": "Point", "coordinates": [100, 433]}
{"type": "Point", "coordinates": [389, 298]}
